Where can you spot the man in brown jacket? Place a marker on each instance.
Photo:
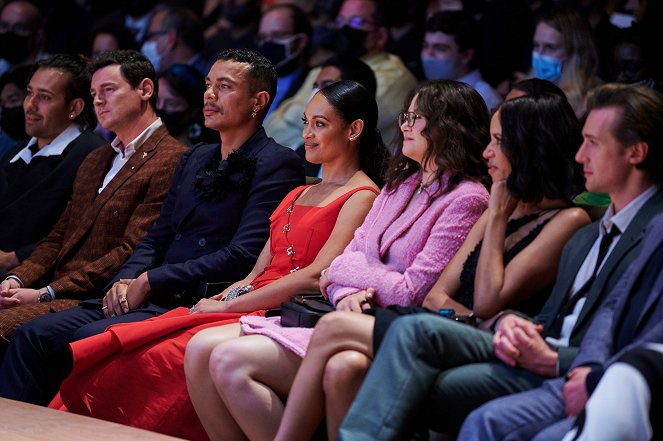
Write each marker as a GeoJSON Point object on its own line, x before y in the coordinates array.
{"type": "Point", "coordinates": [117, 195]}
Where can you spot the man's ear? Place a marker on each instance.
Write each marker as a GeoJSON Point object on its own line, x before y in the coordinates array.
{"type": "Point", "coordinates": [262, 98]}
{"type": "Point", "coordinates": [146, 89]}
{"type": "Point", "coordinates": [76, 107]}
{"type": "Point", "coordinates": [466, 56]}
{"type": "Point", "coordinates": [637, 152]}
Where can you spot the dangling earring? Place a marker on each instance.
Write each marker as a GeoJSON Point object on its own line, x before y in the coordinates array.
{"type": "Point", "coordinates": [254, 113]}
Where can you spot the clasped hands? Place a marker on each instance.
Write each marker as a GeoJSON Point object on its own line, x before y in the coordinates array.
{"type": "Point", "coordinates": [12, 295]}
{"type": "Point", "coordinates": [125, 295]}
{"type": "Point", "coordinates": [518, 342]}
{"type": "Point", "coordinates": [356, 302]}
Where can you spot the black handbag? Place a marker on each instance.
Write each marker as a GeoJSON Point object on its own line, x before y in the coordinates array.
{"type": "Point", "coordinates": [304, 311]}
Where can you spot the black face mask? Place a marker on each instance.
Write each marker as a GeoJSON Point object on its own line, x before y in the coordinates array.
{"type": "Point", "coordinates": [14, 48]}
{"type": "Point", "coordinates": [323, 36]}
{"type": "Point", "coordinates": [12, 122]}
{"type": "Point", "coordinates": [175, 121]}
{"type": "Point", "coordinates": [277, 54]}
{"type": "Point", "coordinates": [351, 42]}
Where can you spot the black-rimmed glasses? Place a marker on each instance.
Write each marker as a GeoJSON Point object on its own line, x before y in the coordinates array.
{"type": "Point", "coordinates": [408, 117]}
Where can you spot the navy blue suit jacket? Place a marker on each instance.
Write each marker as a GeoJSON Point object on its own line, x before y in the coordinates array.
{"type": "Point", "coordinates": [196, 241]}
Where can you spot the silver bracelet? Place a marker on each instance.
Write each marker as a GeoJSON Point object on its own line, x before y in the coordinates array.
{"type": "Point", "coordinates": [238, 291]}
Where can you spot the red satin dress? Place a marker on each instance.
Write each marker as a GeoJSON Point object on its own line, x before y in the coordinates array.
{"type": "Point", "coordinates": [133, 373]}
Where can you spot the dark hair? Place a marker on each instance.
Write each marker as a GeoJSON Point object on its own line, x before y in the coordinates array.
{"type": "Point", "coordinates": [353, 69]}
{"type": "Point", "coordinates": [19, 76]}
{"type": "Point", "coordinates": [125, 39]}
{"type": "Point", "coordinates": [134, 66]}
{"type": "Point", "coordinates": [187, 81]}
{"type": "Point", "coordinates": [465, 30]}
{"type": "Point", "coordinates": [261, 74]}
{"type": "Point", "coordinates": [536, 86]}
{"type": "Point", "coordinates": [540, 137]}
{"type": "Point", "coordinates": [352, 101]}
{"type": "Point", "coordinates": [300, 21]}
{"type": "Point", "coordinates": [187, 24]}
{"type": "Point", "coordinates": [456, 131]}
{"type": "Point", "coordinates": [78, 83]}
{"type": "Point", "coordinates": [640, 120]}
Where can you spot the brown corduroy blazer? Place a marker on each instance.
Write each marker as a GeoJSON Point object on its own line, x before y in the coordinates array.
{"type": "Point", "coordinates": [98, 232]}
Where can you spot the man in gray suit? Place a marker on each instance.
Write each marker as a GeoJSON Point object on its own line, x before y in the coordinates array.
{"type": "Point", "coordinates": [631, 316]}
{"type": "Point", "coordinates": [439, 370]}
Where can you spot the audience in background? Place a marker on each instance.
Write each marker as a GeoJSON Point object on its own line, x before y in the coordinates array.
{"type": "Point", "coordinates": [37, 174]}
{"type": "Point", "coordinates": [179, 105]}
{"type": "Point", "coordinates": [111, 37]}
{"type": "Point", "coordinates": [635, 60]}
{"type": "Point", "coordinates": [21, 34]}
{"type": "Point", "coordinates": [236, 27]}
{"type": "Point", "coordinates": [12, 116]}
{"type": "Point", "coordinates": [450, 50]}
{"type": "Point", "coordinates": [117, 193]}
{"type": "Point", "coordinates": [284, 38]}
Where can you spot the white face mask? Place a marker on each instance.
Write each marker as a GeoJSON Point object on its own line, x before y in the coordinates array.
{"type": "Point", "coordinates": [149, 49]}
{"type": "Point", "coordinates": [313, 92]}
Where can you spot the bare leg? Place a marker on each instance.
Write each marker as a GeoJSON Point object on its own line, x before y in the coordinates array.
{"type": "Point", "coordinates": [209, 406]}
{"type": "Point", "coordinates": [334, 333]}
{"type": "Point", "coordinates": [344, 374]}
{"type": "Point", "coordinates": [253, 375]}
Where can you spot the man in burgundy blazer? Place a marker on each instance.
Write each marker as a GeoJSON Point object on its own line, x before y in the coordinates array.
{"type": "Point", "coordinates": [117, 195]}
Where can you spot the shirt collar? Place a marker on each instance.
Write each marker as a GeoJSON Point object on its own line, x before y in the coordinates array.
{"type": "Point", "coordinates": [472, 77]}
{"type": "Point", "coordinates": [623, 219]}
{"type": "Point", "coordinates": [54, 148]}
{"type": "Point", "coordinates": [129, 149]}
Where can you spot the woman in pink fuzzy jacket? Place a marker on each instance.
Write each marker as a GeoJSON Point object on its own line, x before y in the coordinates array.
{"type": "Point", "coordinates": [433, 196]}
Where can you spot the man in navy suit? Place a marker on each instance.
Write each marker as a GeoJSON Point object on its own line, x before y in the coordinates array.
{"type": "Point", "coordinates": [440, 370]}
{"type": "Point", "coordinates": [212, 226]}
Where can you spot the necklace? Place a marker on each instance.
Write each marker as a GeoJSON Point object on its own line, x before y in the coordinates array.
{"type": "Point", "coordinates": [423, 186]}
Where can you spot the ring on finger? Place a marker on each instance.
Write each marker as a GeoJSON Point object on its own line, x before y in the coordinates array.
{"type": "Point", "coordinates": [103, 308]}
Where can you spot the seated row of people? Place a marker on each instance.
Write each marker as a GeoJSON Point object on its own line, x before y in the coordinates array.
{"type": "Point", "coordinates": [430, 209]}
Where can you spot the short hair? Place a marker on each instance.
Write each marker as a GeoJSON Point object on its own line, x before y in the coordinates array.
{"type": "Point", "coordinates": [456, 131]}
{"type": "Point", "coordinates": [260, 74]}
{"type": "Point", "coordinates": [300, 21]}
{"type": "Point", "coordinates": [540, 137]}
{"type": "Point", "coordinates": [19, 76]}
{"type": "Point", "coordinates": [640, 120]}
{"type": "Point", "coordinates": [465, 30]}
{"type": "Point", "coordinates": [134, 67]}
{"type": "Point", "coordinates": [352, 101]}
{"type": "Point", "coordinates": [353, 69]}
{"type": "Point", "coordinates": [187, 24]}
{"type": "Point", "coordinates": [125, 39]}
{"type": "Point", "coordinates": [187, 81]}
{"type": "Point", "coordinates": [536, 86]}
{"type": "Point", "coordinates": [379, 15]}
{"type": "Point", "coordinates": [78, 83]}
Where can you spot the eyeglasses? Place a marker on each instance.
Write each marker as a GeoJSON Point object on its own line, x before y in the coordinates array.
{"type": "Point", "coordinates": [354, 22]}
{"type": "Point", "coordinates": [408, 117]}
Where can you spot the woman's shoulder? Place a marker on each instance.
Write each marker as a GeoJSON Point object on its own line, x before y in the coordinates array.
{"type": "Point", "coordinates": [569, 218]}
{"type": "Point", "coordinates": [468, 190]}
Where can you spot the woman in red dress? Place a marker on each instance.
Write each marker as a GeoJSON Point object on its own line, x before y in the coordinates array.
{"type": "Point", "coordinates": [133, 374]}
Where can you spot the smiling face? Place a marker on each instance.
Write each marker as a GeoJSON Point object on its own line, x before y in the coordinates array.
{"type": "Point", "coordinates": [46, 109]}
{"type": "Point", "coordinates": [604, 160]}
{"type": "Point", "coordinates": [228, 101]}
{"type": "Point", "coordinates": [499, 167]}
{"type": "Point", "coordinates": [116, 103]}
{"type": "Point", "coordinates": [415, 145]}
{"type": "Point", "coordinates": [326, 135]}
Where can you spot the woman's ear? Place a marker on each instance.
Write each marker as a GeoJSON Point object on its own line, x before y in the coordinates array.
{"type": "Point", "coordinates": [356, 129]}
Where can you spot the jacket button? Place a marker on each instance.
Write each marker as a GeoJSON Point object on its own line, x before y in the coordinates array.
{"type": "Point", "coordinates": [116, 213]}
{"type": "Point", "coordinates": [178, 236]}
{"type": "Point", "coordinates": [202, 242]}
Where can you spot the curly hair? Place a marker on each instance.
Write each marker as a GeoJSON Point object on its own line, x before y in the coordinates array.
{"type": "Point", "coordinates": [456, 131]}
{"type": "Point", "coordinates": [540, 137]}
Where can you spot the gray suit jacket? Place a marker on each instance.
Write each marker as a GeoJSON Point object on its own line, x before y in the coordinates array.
{"type": "Point", "coordinates": [598, 345]}
{"type": "Point", "coordinates": [574, 254]}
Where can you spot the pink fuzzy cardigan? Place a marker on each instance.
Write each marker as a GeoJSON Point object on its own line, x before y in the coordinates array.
{"type": "Point", "coordinates": [398, 253]}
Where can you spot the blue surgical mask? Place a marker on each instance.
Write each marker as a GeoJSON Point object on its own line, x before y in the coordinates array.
{"type": "Point", "coordinates": [436, 69]}
{"type": "Point", "coordinates": [546, 67]}
{"type": "Point", "coordinates": [149, 49]}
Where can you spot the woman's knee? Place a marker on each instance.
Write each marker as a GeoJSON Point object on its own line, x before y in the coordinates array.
{"type": "Point", "coordinates": [230, 363]}
{"type": "Point", "coordinates": [344, 370]}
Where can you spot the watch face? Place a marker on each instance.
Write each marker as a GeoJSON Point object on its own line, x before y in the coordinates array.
{"type": "Point", "coordinates": [44, 297]}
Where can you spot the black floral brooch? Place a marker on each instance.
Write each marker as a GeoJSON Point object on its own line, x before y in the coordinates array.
{"type": "Point", "coordinates": [217, 178]}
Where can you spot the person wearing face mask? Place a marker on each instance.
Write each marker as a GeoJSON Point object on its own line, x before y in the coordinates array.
{"type": "Point", "coordinates": [284, 37]}
{"type": "Point", "coordinates": [21, 35]}
{"type": "Point", "coordinates": [235, 28]}
{"type": "Point", "coordinates": [179, 105]}
{"type": "Point", "coordinates": [360, 33]}
{"type": "Point", "coordinates": [564, 53]}
{"type": "Point", "coordinates": [12, 116]}
{"type": "Point", "coordinates": [450, 48]}
{"type": "Point", "coordinates": [175, 35]}
{"type": "Point", "coordinates": [633, 59]}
